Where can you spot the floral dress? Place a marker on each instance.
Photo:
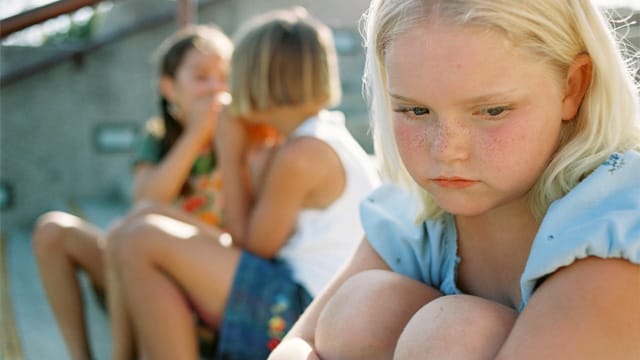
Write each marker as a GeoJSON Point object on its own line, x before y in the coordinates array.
{"type": "Point", "coordinates": [203, 197]}
{"type": "Point", "coordinates": [202, 194]}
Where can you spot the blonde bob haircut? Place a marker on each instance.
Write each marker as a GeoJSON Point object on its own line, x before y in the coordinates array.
{"type": "Point", "coordinates": [283, 58]}
{"type": "Point", "coordinates": [553, 32]}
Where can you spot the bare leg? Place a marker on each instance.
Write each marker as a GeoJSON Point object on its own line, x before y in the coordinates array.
{"type": "Point", "coordinates": [456, 327]}
{"type": "Point", "coordinates": [150, 207]}
{"type": "Point", "coordinates": [162, 262]}
{"type": "Point", "coordinates": [365, 317]}
{"type": "Point", "coordinates": [123, 344]}
{"type": "Point", "coordinates": [62, 244]}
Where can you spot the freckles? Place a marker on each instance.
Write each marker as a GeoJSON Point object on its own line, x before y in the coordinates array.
{"type": "Point", "coordinates": [442, 137]}
{"type": "Point", "coordinates": [503, 144]}
{"type": "Point", "coordinates": [497, 148]}
{"type": "Point", "coordinates": [418, 140]}
{"type": "Point", "coordinates": [492, 145]}
{"type": "Point", "coordinates": [410, 140]}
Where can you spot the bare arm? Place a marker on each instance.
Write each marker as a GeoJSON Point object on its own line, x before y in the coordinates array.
{"type": "Point", "coordinates": [163, 181]}
{"type": "Point", "coordinates": [231, 145]}
{"type": "Point", "coordinates": [303, 171]}
{"type": "Point", "coordinates": [299, 341]}
{"type": "Point", "coordinates": [588, 310]}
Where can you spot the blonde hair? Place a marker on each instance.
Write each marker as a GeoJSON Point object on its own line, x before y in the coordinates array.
{"type": "Point", "coordinates": [283, 58]}
{"type": "Point", "coordinates": [552, 31]}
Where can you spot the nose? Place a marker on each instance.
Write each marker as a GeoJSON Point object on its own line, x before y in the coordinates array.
{"type": "Point", "coordinates": [216, 84]}
{"type": "Point", "coordinates": [450, 140]}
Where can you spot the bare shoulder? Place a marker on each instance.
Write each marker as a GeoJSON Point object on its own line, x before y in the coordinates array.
{"type": "Point", "coordinates": [589, 309]}
{"type": "Point", "coordinates": [307, 155]}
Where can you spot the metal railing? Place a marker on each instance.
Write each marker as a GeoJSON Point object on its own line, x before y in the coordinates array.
{"type": "Point", "coordinates": [183, 14]}
{"type": "Point", "coordinates": [41, 14]}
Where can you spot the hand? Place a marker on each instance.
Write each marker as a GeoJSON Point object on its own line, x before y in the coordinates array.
{"type": "Point", "coordinates": [202, 116]}
{"type": "Point", "coordinates": [294, 348]}
{"type": "Point", "coordinates": [231, 137]}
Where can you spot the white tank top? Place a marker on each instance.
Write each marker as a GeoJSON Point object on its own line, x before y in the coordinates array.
{"type": "Point", "coordinates": [324, 239]}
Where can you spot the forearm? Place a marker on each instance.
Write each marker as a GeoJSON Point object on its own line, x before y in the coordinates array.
{"type": "Point", "coordinates": [294, 348]}
{"type": "Point", "coordinates": [231, 145]}
{"type": "Point", "coordinates": [164, 181]}
{"type": "Point", "coordinates": [299, 343]}
{"type": "Point", "coordinates": [236, 193]}
{"type": "Point", "coordinates": [588, 309]}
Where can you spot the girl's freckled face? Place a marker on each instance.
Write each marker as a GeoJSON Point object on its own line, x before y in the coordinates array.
{"type": "Point", "coordinates": [470, 107]}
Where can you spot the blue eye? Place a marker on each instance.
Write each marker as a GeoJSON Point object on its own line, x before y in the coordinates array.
{"type": "Point", "coordinates": [496, 111]}
{"type": "Point", "coordinates": [413, 112]}
{"type": "Point", "coordinates": [419, 111]}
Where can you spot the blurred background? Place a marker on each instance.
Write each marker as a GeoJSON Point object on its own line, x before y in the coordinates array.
{"type": "Point", "coordinates": [76, 84]}
{"type": "Point", "coordinates": [75, 88]}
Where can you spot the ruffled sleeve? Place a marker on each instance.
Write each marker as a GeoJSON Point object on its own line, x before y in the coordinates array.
{"type": "Point", "coordinates": [425, 252]}
{"type": "Point", "coordinates": [147, 150]}
{"type": "Point", "coordinates": [599, 217]}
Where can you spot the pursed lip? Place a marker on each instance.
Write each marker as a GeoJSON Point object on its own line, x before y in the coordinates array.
{"type": "Point", "coordinates": [453, 182]}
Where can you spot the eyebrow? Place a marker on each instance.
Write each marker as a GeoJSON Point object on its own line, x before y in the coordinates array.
{"type": "Point", "coordinates": [400, 97]}
{"type": "Point", "coordinates": [474, 100]}
{"type": "Point", "coordinates": [490, 97]}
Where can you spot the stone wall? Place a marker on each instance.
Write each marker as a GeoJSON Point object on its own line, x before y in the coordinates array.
{"type": "Point", "coordinates": [48, 120]}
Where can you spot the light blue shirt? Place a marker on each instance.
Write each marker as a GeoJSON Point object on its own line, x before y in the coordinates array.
{"type": "Point", "coordinates": [599, 217]}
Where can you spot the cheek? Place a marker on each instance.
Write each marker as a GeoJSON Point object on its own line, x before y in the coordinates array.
{"type": "Point", "coordinates": [517, 146]}
{"type": "Point", "coordinates": [191, 88]}
{"type": "Point", "coordinates": [537, 133]}
{"type": "Point", "coordinates": [184, 94]}
{"type": "Point", "coordinates": [199, 89]}
{"type": "Point", "coordinates": [501, 142]}
{"type": "Point", "coordinates": [411, 140]}
{"type": "Point", "coordinates": [510, 146]}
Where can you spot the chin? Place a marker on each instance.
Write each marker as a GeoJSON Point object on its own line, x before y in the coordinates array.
{"type": "Point", "coordinates": [467, 212]}
{"type": "Point", "coordinates": [462, 208]}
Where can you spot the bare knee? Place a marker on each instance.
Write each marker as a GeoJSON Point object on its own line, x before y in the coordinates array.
{"type": "Point", "coordinates": [50, 233]}
{"type": "Point", "coordinates": [129, 232]}
{"type": "Point", "coordinates": [456, 326]}
{"type": "Point", "coordinates": [141, 208]}
{"type": "Point", "coordinates": [126, 243]}
{"type": "Point", "coordinates": [366, 315]}
{"type": "Point", "coordinates": [145, 207]}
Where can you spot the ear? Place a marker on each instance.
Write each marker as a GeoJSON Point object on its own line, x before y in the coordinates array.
{"type": "Point", "coordinates": [577, 83]}
{"type": "Point", "coordinates": [166, 87]}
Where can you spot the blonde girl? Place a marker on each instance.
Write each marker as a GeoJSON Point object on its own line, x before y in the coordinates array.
{"type": "Point", "coordinates": [511, 230]}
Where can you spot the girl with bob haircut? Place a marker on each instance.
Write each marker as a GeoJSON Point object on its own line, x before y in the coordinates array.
{"type": "Point", "coordinates": [513, 128]}
{"type": "Point", "coordinates": [271, 70]}
{"type": "Point", "coordinates": [288, 227]}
